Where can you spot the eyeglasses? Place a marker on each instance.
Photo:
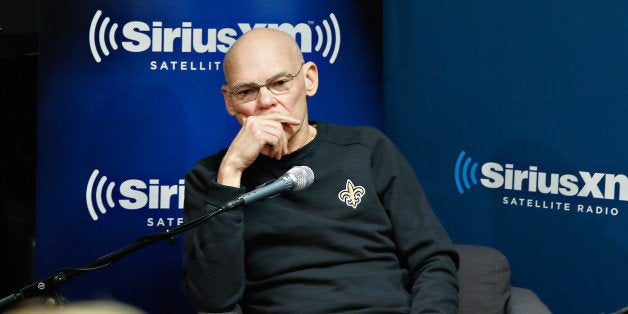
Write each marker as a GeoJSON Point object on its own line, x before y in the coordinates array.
{"type": "Point", "coordinates": [277, 85]}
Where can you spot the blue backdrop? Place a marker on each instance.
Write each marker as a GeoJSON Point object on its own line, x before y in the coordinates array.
{"type": "Point", "coordinates": [130, 99]}
{"type": "Point", "coordinates": [513, 114]}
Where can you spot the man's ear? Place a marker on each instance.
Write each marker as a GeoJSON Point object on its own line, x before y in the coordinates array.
{"type": "Point", "coordinates": [227, 98]}
{"type": "Point", "coordinates": [311, 78]}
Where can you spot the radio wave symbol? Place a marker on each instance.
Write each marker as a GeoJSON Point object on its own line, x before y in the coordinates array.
{"type": "Point", "coordinates": [464, 173]}
{"type": "Point", "coordinates": [98, 194]}
{"type": "Point", "coordinates": [329, 42]}
{"type": "Point", "coordinates": [102, 36]}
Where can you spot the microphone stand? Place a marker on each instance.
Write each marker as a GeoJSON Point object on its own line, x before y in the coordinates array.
{"type": "Point", "coordinates": [49, 286]}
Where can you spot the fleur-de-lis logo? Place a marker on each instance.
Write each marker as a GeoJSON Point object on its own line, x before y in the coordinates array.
{"type": "Point", "coordinates": [351, 195]}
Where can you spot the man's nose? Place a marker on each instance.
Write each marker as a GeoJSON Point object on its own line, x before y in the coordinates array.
{"type": "Point", "coordinates": [266, 98]}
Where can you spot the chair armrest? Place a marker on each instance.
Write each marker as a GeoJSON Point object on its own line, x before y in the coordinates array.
{"type": "Point", "coordinates": [524, 300]}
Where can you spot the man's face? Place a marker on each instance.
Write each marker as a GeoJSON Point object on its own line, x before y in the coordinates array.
{"type": "Point", "coordinates": [263, 88]}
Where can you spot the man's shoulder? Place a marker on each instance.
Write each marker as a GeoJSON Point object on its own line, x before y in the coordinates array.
{"type": "Point", "coordinates": [347, 134]}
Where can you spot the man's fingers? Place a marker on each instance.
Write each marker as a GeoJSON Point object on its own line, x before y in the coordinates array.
{"type": "Point", "coordinates": [268, 134]}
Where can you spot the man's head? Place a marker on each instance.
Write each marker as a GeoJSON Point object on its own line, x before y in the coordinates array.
{"type": "Point", "coordinates": [267, 56]}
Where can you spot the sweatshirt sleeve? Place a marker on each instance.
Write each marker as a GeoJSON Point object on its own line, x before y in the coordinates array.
{"type": "Point", "coordinates": [213, 252]}
{"type": "Point", "coordinates": [423, 243]}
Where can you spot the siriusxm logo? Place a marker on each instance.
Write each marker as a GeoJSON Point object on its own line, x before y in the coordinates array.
{"type": "Point", "coordinates": [463, 174]}
{"type": "Point", "coordinates": [132, 194]}
{"type": "Point", "coordinates": [497, 176]}
{"type": "Point", "coordinates": [139, 36]}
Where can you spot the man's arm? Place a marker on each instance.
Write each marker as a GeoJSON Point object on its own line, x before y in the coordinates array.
{"type": "Point", "coordinates": [423, 243]}
{"type": "Point", "coordinates": [213, 260]}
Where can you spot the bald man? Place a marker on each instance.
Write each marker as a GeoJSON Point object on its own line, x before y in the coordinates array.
{"type": "Point", "coordinates": [362, 239]}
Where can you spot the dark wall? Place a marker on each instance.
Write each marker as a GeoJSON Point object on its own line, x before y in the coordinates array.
{"type": "Point", "coordinates": [19, 35]}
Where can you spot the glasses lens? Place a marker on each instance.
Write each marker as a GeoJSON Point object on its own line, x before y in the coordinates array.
{"type": "Point", "coordinates": [246, 93]}
{"type": "Point", "coordinates": [280, 85]}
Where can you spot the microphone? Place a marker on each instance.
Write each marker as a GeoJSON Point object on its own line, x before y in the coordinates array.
{"type": "Point", "coordinates": [296, 179]}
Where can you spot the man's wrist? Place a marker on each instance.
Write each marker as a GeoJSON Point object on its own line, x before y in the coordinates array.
{"type": "Point", "coordinates": [229, 176]}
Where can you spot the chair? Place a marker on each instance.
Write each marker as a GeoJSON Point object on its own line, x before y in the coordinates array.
{"type": "Point", "coordinates": [484, 276]}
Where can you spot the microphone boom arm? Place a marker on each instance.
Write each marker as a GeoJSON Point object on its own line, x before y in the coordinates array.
{"type": "Point", "coordinates": [49, 286]}
{"type": "Point", "coordinates": [296, 179]}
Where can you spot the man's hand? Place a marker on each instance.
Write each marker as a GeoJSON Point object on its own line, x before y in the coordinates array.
{"type": "Point", "coordinates": [265, 134]}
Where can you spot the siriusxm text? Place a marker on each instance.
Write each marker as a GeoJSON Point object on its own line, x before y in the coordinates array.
{"type": "Point", "coordinates": [584, 184]}
{"type": "Point", "coordinates": [140, 36]}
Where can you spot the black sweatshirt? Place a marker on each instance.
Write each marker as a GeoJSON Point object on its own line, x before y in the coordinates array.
{"type": "Point", "coordinates": [361, 239]}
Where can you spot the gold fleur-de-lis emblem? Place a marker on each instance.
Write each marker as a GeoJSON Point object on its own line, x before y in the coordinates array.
{"type": "Point", "coordinates": [351, 195]}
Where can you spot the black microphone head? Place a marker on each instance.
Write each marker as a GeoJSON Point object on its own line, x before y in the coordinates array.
{"type": "Point", "coordinates": [302, 176]}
